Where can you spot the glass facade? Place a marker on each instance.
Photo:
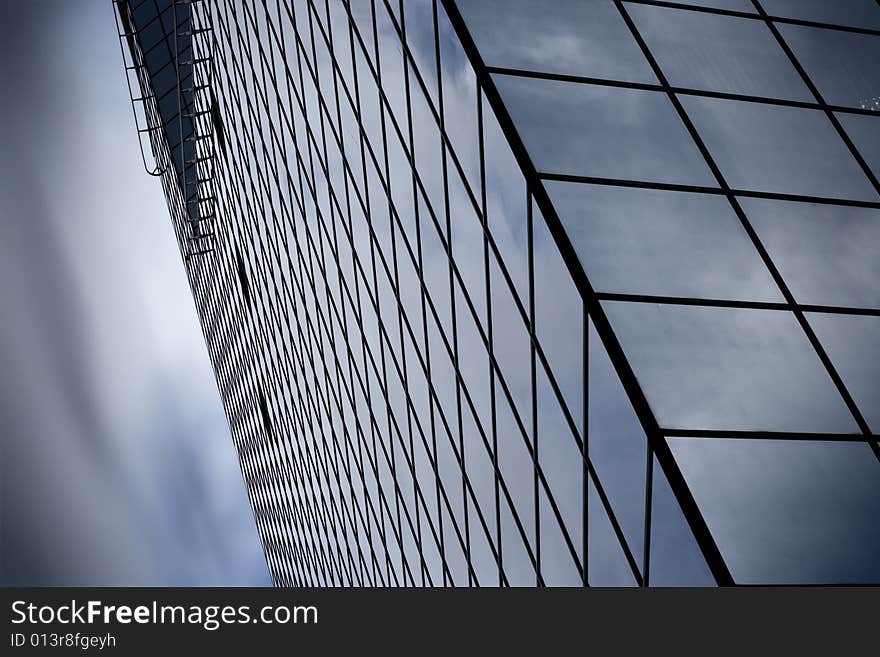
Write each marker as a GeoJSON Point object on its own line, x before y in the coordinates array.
{"type": "Point", "coordinates": [535, 293]}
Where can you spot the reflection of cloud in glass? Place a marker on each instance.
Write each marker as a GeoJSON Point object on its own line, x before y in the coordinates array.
{"type": "Point", "coordinates": [587, 38]}
{"type": "Point", "coordinates": [728, 368]}
{"type": "Point", "coordinates": [587, 130]}
{"type": "Point", "coordinates": [642, 241]}
{"type": "Point", "coordinates": [788, 512]}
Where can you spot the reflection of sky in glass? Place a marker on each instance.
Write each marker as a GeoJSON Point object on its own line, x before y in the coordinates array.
{"type": "Point", "coordinates": [785, 512]}
{"type": "Point", "coordinates": [865, 134]}
{"type": "Point", "coordinates": [857, 13]}
{"type": "Point", "coordinates": [728, 368]}
{"type": "Point", "coordinates": [778, 149]}
{"type": "Point", "coordinates": [842, 65]}
{"type": "Point", "coordinates": [587, 38]}
{"type": "Point", "coordinates": [718, 53]}
{"type": "Point", "coordinates": [587, 130]}
{"type": "Point", "coordinates": [643, 241]}
{"type": "Point", "coordinates": [853, 344]}
{"type": "Point", "coordinates": [827, 254]}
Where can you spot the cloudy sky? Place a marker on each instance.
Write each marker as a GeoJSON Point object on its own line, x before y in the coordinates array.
{"type": "Point", "coordinates": [117, 463]}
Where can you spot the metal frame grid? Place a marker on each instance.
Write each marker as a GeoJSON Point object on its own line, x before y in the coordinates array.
{"type": "Point", "coordinates": [383, 430]}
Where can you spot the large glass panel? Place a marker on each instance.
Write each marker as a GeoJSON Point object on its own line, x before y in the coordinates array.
{"type": "Point", "coordinates": [640, 241]}
{"type": "Point", "coordinates": [827, 254]}
{"type": "Point", "coordinates": [778, 149]}
{"type": "Point", "coordinates": [856, 13]}
{"type": "Point", "coordinates": [587, 38]}
{"type": "Point", "coordinates": [590, 130]}
{"type": "Point", "coordinates": [788, 512]}
{"type": "Point", "coordinates": [842, 65]}
{"type": "Point", "coordinates": [864, 131]}
{"type": "Point", "coordinates": [676, 559]}
{"type": "Point", "coordinates": [728, 368]}
{"type": "Point", "coordinates": [853, 344]}
{"type": "Point", "coordinates": [718, 53]}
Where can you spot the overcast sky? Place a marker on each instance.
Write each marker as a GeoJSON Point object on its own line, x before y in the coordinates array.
{"type": "Point", "coordinates": [117, 463]}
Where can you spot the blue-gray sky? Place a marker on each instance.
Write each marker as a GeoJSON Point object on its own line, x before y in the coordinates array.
{"type": "Point", "coordinates": [117, 463]}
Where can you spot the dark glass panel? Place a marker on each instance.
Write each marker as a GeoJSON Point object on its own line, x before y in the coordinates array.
{"type": "Point", "coordinates": [788, 512]}
{"type": "Point", "coordinates": [853, 344]}
{"type": "Point", "coordinates": [728, 368]}
{"type": "Point", "coordinates": [842, 65]}
{"type": "Point", "coordinates": [855, 13]}
{"type": "Point", "coordinates": [778, 149]}
{"type": "Point", "coordinates": [587, 38]}
{"type": "Point", "coordinates": [617, 446]}
{"type": "Point", "coordinates": [718, 53]}
{"type": "Point", "coordinates": [864, 131]}
{"type": "Point", "coordinates": [664, 243]}
{"type": "Point", "coordinates": [826, 253]}
{"type": "Point", "coordinates": [589, 130]}
{"type": "Point", "coordinates": [676, 559]}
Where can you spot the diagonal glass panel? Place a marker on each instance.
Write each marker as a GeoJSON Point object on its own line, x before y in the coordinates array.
{"type": "Point", "coordinates": [676, 559]}
{"type": "Point", "coordinates": [853, 344]}
{"type": "Point", "coordinates": [641, 241]}
{"type": "Point", "coordinates": [617, 447]}
{"type": "Point", "coordinates": [864, 131]}
{"type": "Point", "coordinates": [777, 149]}
{"type": "Point", "coordinates": [827, 254]}
{"type": "Point", "coordinates": [728, 369]}
{"type": "Point", "coordinates": [588, 130]}
{"type": "Point", "coordinates": [842, 65]}
{"type": "Point", "coordinates": [855, 13]}
{"type": "Point", "coordinates": [718, 53]}
{"type": "Point", "coordinates": [587, 38]}
{"type": "Point", "coordinates": [788, 512]}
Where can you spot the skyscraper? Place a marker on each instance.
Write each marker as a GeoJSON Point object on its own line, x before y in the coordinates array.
{"type": "Point", "coordinates": [508, 292]}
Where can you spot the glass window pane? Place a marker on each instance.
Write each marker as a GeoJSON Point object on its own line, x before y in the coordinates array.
{"type": "Point", "coordinates": [718, 53]}
{"type": "Point", "coordinates": [587, 38]}
{"type": "Point", "coordinates": [590, 130]}
{"type": "Point", "coordinates": [864, 131]}
{"type": "Point", "coordinates": [559, 317]}
{"type": "Point", "coordinates": [641, 241]}
{"type": "Point", "coordinates": [728, 368]}
{"type": "Point", "coordinates": [676, 559]}
{"type": "Point", "coordinates": [856, 13]}
{"type": "Point", "coordinates": [561, 461]}
{"type": "Point", "coordinates": [607, 563]}
{"type": "Point", "coordinates": [853, 344]}
{"type": "Point", "coordinates": [777, 149]}
{"type": "Point", "coordinates": [788, 512]}
{"type": "Point", "coordinates": [558, 567]}
{"type": "Point", "coordinates": [827, 254]}
{"type": "Point", "coordinates": [617, 447]}
{"type": "Point", "coordinates": [842, 65]}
